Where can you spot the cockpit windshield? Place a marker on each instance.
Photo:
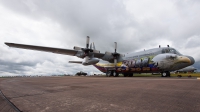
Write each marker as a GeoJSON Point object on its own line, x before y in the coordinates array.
{"type": "Point", "coordinates": [170, 50]}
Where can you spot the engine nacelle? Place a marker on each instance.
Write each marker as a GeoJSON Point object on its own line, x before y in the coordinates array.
{"type": "Point", "coordinates": [96, 51]}
{"type": "Point", "coordinates": [91, 61]}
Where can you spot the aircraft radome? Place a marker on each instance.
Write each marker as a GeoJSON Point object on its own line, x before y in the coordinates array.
{"type": "Point", "coordinates": [161, 59]}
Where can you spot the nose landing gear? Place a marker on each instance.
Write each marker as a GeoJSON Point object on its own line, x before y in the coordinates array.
{"type": "Point", "coordinates": [165, 74]}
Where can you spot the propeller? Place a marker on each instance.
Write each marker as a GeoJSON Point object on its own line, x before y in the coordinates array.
{"type": "Point", "coordinates": [93, 46]}
{"type": "Point", "coordinates": [87, 42]}
{"type": "Point", "coordinates": [115, 54]}
{"type": "Point", "coordinates": [87, 49]}
{"type": "Point", "coordinates": [87, 53]}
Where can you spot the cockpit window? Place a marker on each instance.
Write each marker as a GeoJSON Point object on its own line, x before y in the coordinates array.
{"type": "Point", "coordinates": [173, 51]}
{"type": "Point", "coordinates": [170, 50]}
{"type": "Point", "coordinates": [176, 52]}
{"type": "Point", "coordinates": [165, 50]}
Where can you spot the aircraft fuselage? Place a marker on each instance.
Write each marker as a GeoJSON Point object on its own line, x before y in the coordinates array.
{"type": "Point", "coordinates": [149, 61]}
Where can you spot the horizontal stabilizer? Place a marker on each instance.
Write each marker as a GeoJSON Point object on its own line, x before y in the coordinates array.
{"type": "Point", "coordinates": [79, 62]}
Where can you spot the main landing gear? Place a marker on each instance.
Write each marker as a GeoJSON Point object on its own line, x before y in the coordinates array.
{"type": "Point", "coordinates": [128, 74]}
{"type": "Point", "coordinates": [112, 73]}
{"type": "Point", "coordinates": [165, 74]}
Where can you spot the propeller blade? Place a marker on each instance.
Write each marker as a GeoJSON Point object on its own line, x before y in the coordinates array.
{"type": "Point", "coordinates": [87, 42]}
{"type": "Point", "coordinates": [86, 59]}
{"type": "Point", "coordinates": [115, 61]}
{"type": "Point", "coordinates": [93, 45]}
{"type": "Point", "coordinates": [115, 47]}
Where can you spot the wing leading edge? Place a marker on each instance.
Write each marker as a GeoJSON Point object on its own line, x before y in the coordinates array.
{"type": "Point", "coordinates": [46, 49]}
{"type": "Point", "coordinates": [52, 50]}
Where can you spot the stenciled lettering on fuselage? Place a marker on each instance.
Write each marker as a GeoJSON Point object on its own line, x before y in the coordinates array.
{"type": "Point", "coordinates": [144, 64]}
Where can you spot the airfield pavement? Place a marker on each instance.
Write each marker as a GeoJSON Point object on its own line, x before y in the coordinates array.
{"type": "Point", "coordinates": [102, 94]}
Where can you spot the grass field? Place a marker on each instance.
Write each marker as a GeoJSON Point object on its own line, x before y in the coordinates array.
{"type": "Point", "coordinates": [159, 75]}
{"type": "Point", "coordinates": [172, 75]}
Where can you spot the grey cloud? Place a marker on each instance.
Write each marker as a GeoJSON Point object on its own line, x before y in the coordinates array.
{"type": "Point", "coordinates": [197, 65]}
{"type": "Point", "coordinates": [193, 41]}
{"type": "Point", "coordinates": [105, 22]}
{"type": "Point", "coordinates": [12, 67]}
{"type": "Point", "coordinates": [98, 19]}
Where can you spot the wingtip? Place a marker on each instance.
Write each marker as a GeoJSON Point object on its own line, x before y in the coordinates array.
{"type": "Point", "coordinates": [6, 43]}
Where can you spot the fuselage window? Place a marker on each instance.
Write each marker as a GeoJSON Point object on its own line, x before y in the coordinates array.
{"type": "Point", "coordinates": [172, 51]}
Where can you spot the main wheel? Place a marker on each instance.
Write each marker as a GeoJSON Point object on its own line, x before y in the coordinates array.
{"type": "Point", "coordinates": [166, 74]}
{"type": "Point", "coordinates": [108, 73]}
{"type": "Point", "coordinates": [115, 74]}
{"type": "Point", "coordinates": [130, 74]}
{"type": "Point", "coordinates": [125, 74]}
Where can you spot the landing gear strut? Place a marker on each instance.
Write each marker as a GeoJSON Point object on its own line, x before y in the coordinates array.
{"type": "Point", "coordinates": [108, 73]}
{"type": "Point", "coordinates": [112, 73]}
{"type": "Point", "coordinates": [128, 74]}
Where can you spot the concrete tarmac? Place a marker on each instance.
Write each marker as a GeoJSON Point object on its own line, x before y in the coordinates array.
{"type": "Point", "coordinates": [103, 94]}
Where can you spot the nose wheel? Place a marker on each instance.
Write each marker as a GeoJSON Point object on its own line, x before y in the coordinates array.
{"type": "Point", "coordinates": [166, 74]}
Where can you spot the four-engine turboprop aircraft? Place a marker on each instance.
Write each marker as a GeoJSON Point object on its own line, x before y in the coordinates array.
{"type": "Point", "coordinates": [162, 59]}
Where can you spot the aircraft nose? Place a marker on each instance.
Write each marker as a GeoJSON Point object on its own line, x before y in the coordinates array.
{"type": "Point", "coordinates": [191, 59]}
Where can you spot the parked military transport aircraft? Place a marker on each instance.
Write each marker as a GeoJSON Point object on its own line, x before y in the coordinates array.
{"type": "Point", "coordinates": [162, 59]}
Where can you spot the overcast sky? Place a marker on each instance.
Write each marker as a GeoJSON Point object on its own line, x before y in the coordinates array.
{"type": "Point", "coordinates": [134, 24]}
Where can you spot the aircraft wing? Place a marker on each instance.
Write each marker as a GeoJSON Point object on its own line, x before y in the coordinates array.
{"type": "Point", "coordinates": [50, 49]}
{"type": "Point", "coordinates": [79, 52]}
{"type": "Point", "coordinates": [99, 55]}
{"type": "Point", "coordinates": [46, 49]}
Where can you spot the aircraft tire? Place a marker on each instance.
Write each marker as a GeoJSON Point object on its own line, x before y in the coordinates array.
{"type": "Point", "coordinates": [125, 74]}
{"type": "Point", "coordinates": [130, 74]}
{"type": "Point", "coordinates": [115, 74]}
{"type": "Point", "coordinates": [164, 74]}
{"type": "Point", "coordinates": [108, 73]}
{"type": "Point", "coordinates": [168, 74]}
